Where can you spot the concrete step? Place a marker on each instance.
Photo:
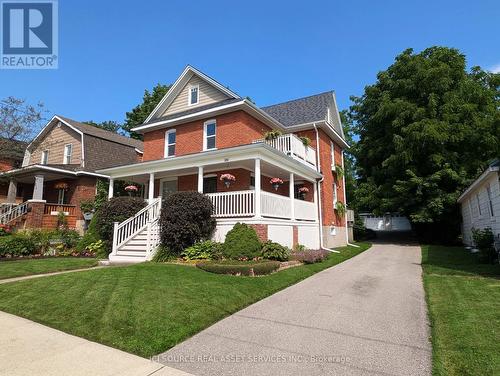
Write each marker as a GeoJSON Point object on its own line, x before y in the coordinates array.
{"type": "Point", "coordinates": [123, 259]}
{"type": "Point", "coordinates": [139, 254]}
{"type": "Point", "coordinates": [133, 247]}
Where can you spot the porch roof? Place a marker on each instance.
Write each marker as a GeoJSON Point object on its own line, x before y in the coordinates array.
{"type": "Point", "coordinates": [219, 157]}
{"type": "Point", "coordinates": [50, 172]}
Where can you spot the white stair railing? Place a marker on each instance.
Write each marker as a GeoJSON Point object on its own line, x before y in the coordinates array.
{"type": "Point", "coordinates": [153, 238]}
{"type": "Point", "coordinates": [126, 230]}
{"type": "Point", "coordinates": [13, 213]}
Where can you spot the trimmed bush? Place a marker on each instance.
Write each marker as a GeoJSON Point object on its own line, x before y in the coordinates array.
{"type": "Point", "coordinates": [241, 243]}
{"type": "Point", "coordinates": [275, 251]}
{"type": "Point", "coordinates": [207, 250]}
{"type": "Point", "coordinates": [186, 218]}
{"type": "Point", "coordinates": [311, 256]}
{"type": "Point", "coordinates": [244, 268]}
{"type": "Point", "coordinates": [117, 209]}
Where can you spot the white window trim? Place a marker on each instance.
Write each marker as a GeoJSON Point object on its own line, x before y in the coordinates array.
{"type": "Point", "coordinates": [44, 152]}
{"type": "Point", "coordinates": [490, 201]}
{"type": "Point", "coordinates": [165, 149]}
{"type": "Point", "coordinates": [190, 87]}
{"type": "Point", "coordinates": [60, 197]}
{"type": "Point", "coordinates": [205, 124]}
{"type": "Point", "coordinates": [65, 156]}
{"type": "Point", "coordinates": [478, 204]}
{"type": "Point", "coordinates": [332, 153]}
{"type": "Point", "coordinates": [335, 196]}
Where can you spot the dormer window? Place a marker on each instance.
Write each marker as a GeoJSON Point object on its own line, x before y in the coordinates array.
{"type": "Point", "coordinates": [45, 157]}
{"type": "Point", "coordinates": [68, 150]}
{"type": "Point", "coordinates": [193, 94]}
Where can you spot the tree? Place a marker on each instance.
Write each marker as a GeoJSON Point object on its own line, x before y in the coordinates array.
{"type": "Point", "coordinates": [349, 159]}
{"type": "Point", "coordinates": [107, 125]}
{"type": "Point", "coordinates": [427, 127]}
{"type": "Point", "coordinates": [139, 113]}
{"type": "Point", "coordinates": [19, 121]}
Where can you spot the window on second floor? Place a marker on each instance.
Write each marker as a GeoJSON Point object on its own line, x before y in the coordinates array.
{"type": "Point", "coordinates": [68, 150]}
{"type": "Point", "coordinates": [45, 157]}
{"type": "Point", "coordinates": [170, 137]}
{"type": "Point", "coordinates": [209, 135]}
{"type": "Point", "coordinates": [490, 200]}
{"type": "Point", "coordinates": [332, 151]}
{"type": "Point", "coordinates": [335, 198]}
{"type": "Point", "coordinates": [193, 94]}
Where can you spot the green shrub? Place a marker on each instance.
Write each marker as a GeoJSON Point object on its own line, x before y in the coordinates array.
{"type": "Point", "coordinates": [243, 268]}
{"type": "Point", "coordinates": [17, 245]}
{"type": "Point", "coordinates": [117, 209]}
{"type": "Point", "coordinates": [163, 254]}
{"type": "Point", "coordinates": [69, 238]}
{"type": "Point", "coordinates": [97, 248]}
{"type": "Point", "coordinates": [207, 250]}
{"type": "Point", "coordinates": [186, 218]}
{"type": "Point", "coordinates": [484, 240]}
{"type": "Point", "coordinates": [241, 242]}
{"type": "Point", "coordinates": [90, 236]}
{"type": "Point", "coordinates": [275, 251]}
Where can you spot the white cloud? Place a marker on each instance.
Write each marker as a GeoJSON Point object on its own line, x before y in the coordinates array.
{"type": "Point", "coordinates": [495, 68]}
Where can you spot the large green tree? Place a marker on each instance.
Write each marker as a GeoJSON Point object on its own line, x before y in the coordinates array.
{"type": "Point", "coordinates": [349, 159]}
{"type": "Point", "coordinates": [139, 113]}
{"type": "Point", "coordinates": [427, 127]}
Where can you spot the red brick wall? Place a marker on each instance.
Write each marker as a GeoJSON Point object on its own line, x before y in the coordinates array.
{"type": "Point", "coordinates": [6, 164]}
{"type": "Point", "coordinates": [233, 129]}
{"type": "Point", "coordinates": [261, 231]}
{"type": "Point", "coordinates": [85, 190]}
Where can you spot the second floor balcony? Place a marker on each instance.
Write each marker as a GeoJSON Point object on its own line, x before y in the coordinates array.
{"type": "Point", "coordinates": [294, 147]}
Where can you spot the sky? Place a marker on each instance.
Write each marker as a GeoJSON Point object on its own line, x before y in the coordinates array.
{"type": "Point", "coordinates": [271, 51]}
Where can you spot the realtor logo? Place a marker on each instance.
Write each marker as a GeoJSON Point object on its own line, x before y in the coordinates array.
{"type": "Point", "coordinates": [29, 35]}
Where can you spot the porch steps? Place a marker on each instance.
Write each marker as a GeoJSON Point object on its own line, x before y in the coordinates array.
{"type": "Point", "coordinates": [134, 250]}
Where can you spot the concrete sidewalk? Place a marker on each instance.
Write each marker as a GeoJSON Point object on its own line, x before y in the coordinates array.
{"type": "Point", "coordinates": [28, 348]}
{"type": "Point", "coordinates": [366, 316]}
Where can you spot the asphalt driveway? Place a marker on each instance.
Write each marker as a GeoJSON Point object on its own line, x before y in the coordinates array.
{"type": "Point", "coordinates": [365, 316]}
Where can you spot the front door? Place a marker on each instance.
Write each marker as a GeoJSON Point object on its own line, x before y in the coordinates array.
{"type": "Point", "coordinates": [168, 187]}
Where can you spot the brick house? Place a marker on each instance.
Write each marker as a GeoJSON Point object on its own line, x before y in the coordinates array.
{"type": "Point", "coordinates": [201, 130]}
{"type": "Point", "coordinates": [11, 157]}
{"type": "Point", "coordinates": [58, 172]}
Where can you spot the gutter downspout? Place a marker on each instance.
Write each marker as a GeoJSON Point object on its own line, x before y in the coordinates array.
{"type": "Point", "coordinates": [345, 203]}
{"type": "Point", "coordinates": [318, 182]}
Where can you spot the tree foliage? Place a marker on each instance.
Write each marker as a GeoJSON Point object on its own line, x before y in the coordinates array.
{"type": "Point", "coordinates": [107, 125]}
{"type": "Point", "coordinates": [427, 127]}
{"type": "Point", "coordinates": [139, 113]}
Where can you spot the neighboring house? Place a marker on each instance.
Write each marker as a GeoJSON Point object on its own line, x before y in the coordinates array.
{"type": "Point", "coordinates": [58, 172]}
{"type": "Point", "coordinates": [11, 157]}
{"type": "Point", "coordinates": [201, 130]}
{"type": "Point", "coordinates": [480, 204]}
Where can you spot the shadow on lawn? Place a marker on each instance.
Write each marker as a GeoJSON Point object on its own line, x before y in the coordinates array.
{"type": "Point", "coordinates": [455, 261]}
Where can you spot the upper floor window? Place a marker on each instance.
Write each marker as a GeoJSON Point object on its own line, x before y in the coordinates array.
{"type": "Point", "coordinates": [68, 150]}
{"type": "Point", "coordinates": [170, 143]}
{"type": "Point", "coordinates": [45, 157]}
{"type": "Point", "coordinates": [193, 94]}
{"type": "Point", "coordinates": [335, 198]}
{"type": "Point", "coordinates": [488, 190]}
{"type": "Point", "coordinates": [209, 131]}
{"type": "Point", "coordinates": [332, 151]}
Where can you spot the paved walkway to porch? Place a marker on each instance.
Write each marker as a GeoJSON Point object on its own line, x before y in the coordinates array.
{"type": "Point", "coordinates": [366, 316]}
{"type": "Point", "coordinates": [30, 349]}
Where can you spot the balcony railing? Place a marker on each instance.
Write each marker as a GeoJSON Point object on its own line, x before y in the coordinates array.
{"type": "Point", "coordinates": [293, 146]}
{"type": "Point", "coordinates": [54, 209]}
{"type": "Point", "coordinates": [242, 204]}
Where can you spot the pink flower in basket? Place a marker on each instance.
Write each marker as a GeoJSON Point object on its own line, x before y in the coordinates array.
{"type": "Point", "coordinates": [131, 188]}
{"type": "Point", "coordinates": [227, 177]}
{"type": "Point", "coordinates": [303, 190]}
{"type": "Point", "coordinates": [276, 181]}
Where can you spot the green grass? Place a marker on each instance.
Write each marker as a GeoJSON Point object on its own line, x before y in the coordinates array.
{"type": "Point", "coordinates": [463, 297]}
{"type": "Point", "coordinates": [20, 268]}
{"type": "Point", "coordinates": [146, 308]}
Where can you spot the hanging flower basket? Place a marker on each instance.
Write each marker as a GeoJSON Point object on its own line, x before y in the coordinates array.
{"type": "Point", "coordinates": [130, 189]}
{"type": "Point", "coordinates": [303, 191]}
{"type": "Point", "coordinates": [228, 179]}
{"type": "Point", "coordinates": [64, 186]}
{"type": "Point", "coordinates": [276, 182]}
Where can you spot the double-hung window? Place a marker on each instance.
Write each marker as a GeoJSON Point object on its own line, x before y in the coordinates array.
{"type": "Point", "coordinates": [209, 135]}
{"type": "Point", "coordinates": [332, 152]}
{"type": "Point", "coordinates": [45, 157]}
{"type": "Point", "coordinates": [170, 138]}
{"type": "Point", "coordinates": [68, 150]}
{"type": "Point", "coordinates": [335, 198]}
{"type": "Point", "coordinates": [193, 94]}
{"type": "Point", "coordinates": [490, 200]}
{"type": "Point", "coordinates": [478, 202]}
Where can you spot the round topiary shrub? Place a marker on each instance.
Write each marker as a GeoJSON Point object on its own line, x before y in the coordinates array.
{"type": "Point", "coordinates": [117, 209]}
{"type": "Point", "coordinates": [241, 242]}
{"type": "Point", "coordinates": [275, 251]}
{"type": "Point", "coordinates": [186, 218]}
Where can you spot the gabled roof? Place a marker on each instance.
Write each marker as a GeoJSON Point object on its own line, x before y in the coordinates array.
{"type": "Point", "coordinates": [102, 133]}
{"type": "Point", "coordinates": [179, 84]}
{"type": "Point", "coordinates": [494, 167]}
{"type": "Point", "coordinates": [306, 110]}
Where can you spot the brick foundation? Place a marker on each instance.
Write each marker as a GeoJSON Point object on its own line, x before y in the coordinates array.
{"type": "Point", "coordinates": [261, 231]}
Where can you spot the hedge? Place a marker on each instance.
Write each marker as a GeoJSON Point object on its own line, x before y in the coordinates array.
{"type": "Point", "coordinates": [246, 269]}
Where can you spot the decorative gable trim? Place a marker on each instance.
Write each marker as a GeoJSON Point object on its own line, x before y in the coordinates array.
{"type": "Point", "coordinates": [179, 84]}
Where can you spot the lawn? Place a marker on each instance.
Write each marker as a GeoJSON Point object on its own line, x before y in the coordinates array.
{"type": "Point", "coordinates": [464, 308]}
{"type": "Point", "coordinates": [20, 268]}
{"type": "Point", "coordinates": [146, 308]}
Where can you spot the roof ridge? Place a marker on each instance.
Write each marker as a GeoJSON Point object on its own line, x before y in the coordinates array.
{"type": "Point", "coordinates": [298, 99]}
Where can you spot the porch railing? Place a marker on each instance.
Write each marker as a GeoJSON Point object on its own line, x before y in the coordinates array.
{"type": "Point", "coordinates": [54, 209]}
{"type": "Point", "coordinates": [293, 146]}
{"type": "Point", "coordinates": [273, 205]}
{"type": "Point", "coordinates": [127, 229]}
{"type": "Point", "coordinates": [14, 213]}
{"type": "Point", "coordinates": [304, 210]}
{"type": "Point", "coordinates": [233, 204]}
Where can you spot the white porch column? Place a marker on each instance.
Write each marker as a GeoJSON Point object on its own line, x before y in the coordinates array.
{"type": "Point", "coordinates": [38, 189]}
{"type": "Point", "coordinates": [12, 192]}
{"type": "Point", "coordinates": [315, 188]}
{"type": "Point", "coordinates": [200, 179]}
{"type": "Point", "coordinates": [292, 195]}
{"type": "Point", "coordinates": [111, 188]}
{"type": "Point", "coordinates": [257, 188]}
{"type": "Point", "coordinates": [151, 187]}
